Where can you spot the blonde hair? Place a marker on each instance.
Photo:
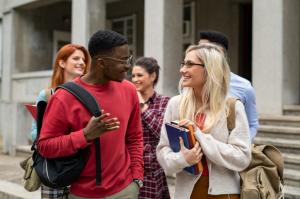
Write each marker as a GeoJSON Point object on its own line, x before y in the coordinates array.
{"type": "Point", "coordinates": [214, 90]}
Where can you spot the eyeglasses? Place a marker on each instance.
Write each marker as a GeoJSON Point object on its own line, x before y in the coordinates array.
{"type": "Point", "coordinates": [128, 61]}
{"type": "Point", "coordinates": [190, 64]}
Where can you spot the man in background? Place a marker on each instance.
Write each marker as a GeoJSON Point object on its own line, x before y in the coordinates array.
{"type": "Point", "coordinates": [240, 87]}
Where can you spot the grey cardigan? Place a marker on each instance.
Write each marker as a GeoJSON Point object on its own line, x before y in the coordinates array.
{"type": "Point", "coordinates": [226, 154]}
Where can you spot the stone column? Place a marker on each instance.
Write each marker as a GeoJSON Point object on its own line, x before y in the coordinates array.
{"type": "Point", "coordinates": [7, 121]}
{"type": "Point", "coordinates": [8, 55]}
{"type": "Point", "coordinates": [88, 16]}
{"type": "Point", "coordinates": [1, 29]}
{"type": "Point", "coordinates": [163, 40]}
{"type": "Point", "coordinates": [275, 54]}
{"type": "Point", "coordinates": [291, 52]}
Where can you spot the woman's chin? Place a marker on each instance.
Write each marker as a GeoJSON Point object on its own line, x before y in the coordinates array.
{"type": "Point", "coordinates": [78, 73]}
{"type": "Point", "coordinates": [185, 84]}
{"type": "Point", "coordinates": [138, 88]}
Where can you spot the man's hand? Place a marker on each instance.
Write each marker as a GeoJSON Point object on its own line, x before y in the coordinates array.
{"type": "Point", "coordinates": [193, 155]}
{"type": "Point", "coordinates": [97, 126]}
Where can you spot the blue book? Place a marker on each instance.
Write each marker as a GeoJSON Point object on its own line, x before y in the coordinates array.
{"type": "Point", "coordinates": [174, 132]}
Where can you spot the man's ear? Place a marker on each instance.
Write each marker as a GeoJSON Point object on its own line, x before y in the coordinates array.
{"type": "Point", "coordinates": [61, 63]}
{"type": "Point", "coordinates": [100, 63]}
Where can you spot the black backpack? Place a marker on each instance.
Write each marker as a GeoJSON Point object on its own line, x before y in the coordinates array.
{"type": "Point", "coordinates": [61, 172]}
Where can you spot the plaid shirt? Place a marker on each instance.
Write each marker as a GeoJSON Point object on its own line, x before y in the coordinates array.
{"type": "Point", "coordinates": [155, 184]}
{"type": "Point", "coordinates": [51, 193]}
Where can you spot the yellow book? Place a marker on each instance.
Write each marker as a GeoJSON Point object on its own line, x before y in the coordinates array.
{"type": "Point", "coordinates": [199, 166]}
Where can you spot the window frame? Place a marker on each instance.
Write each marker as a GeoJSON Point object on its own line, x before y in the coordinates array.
{"type": "Point", "coordinates": [125, 19]}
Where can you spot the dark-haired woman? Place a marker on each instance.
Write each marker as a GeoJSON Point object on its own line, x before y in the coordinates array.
{"type": "Point", "coordinates": [145, 75]}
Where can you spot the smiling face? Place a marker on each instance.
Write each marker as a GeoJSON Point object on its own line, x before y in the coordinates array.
{"type": "Point", "coordinates": [142, 80]}
{"type": "Point", "coordinates": [115, 66]}
{"type": "Point", "coordinates": [75, 64]}
{"type": "Point", "coordinates": [193, 76]}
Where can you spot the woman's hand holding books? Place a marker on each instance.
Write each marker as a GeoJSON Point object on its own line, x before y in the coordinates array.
{"type": "Point", "coordinates": [181, 135]}
{"type": "Point", "coordinates": [191, 156]}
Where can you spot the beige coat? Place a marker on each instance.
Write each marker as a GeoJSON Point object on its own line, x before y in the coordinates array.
{"type": "Point", "coordinates": [226, 154]}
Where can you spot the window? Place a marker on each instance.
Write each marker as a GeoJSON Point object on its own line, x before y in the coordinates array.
{"type": "Point", "coordinates": [60, 38]}
{"type": "Point", "coordinates": [187, 19]}
{"type": "Point", "coordinates": [188, 33]}
{"type": "Point", "coordinates": [127, 27]}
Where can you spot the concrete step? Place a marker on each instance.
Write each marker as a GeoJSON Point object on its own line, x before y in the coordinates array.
{"type": "Point", "coordinates": [9, 190]}
{"type": "Point", "coordinates": [284, 145]}
{"type": "Point", "coordinates": [291, 192]}
{"type": "Point", "coordinates": [283, 131]}
{"type": "Point", "coordinates": [291, 110]}
{"type": "Point", "coordinates": [23, 150]}
{"type": "Point", "coordinates": [291, 161]}
{"type": "Point", "coordinates": [11, 179]}
{"type": "Point", "coordinates": [291, 177]}
{"type": "Point", "coordinates": [279, 131]}
{"type": "Point", "coordinates": [280, 120]}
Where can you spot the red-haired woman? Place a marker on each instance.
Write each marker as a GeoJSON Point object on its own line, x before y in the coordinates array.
{"type": "Point", "coordinates": [71, 61]}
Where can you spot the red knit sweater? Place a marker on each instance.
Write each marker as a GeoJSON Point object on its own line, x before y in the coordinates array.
{"type": "Point", "coordinates": [121, 150]}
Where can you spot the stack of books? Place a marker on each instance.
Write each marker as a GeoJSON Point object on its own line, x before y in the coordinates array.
{"type": "Point", "coordinates": [175, 131]}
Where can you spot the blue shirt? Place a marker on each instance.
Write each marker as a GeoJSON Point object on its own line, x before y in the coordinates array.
{"type": "Point", "coordinates": [243, 90]}
{"type": "Point", "coordinates": [41, 97]}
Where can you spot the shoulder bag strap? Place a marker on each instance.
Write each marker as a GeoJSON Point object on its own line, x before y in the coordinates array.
{"type": "Point", "coordinates": [83, 96]}
{"type": "Point", "coordinates": [230, 103]}
{"type": "Point", "coordinates": [88, 100]}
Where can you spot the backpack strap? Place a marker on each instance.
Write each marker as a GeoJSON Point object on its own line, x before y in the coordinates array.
{"type": "Point", "coordinates": [230, 103]}
{"type": "Point", "coordinates": [41, 107]}
{"type": "Point", "coordinates": [91, 104]}
{"type": "Point", "coordinates": [83, 96]}
{"type": "Point", "coordinates": [40, 110]}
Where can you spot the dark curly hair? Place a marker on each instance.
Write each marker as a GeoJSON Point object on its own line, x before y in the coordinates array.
{"type": "Point", "coordinates": [150, 65]}
{"type": "Point", "coordinates": [103, 41]}
{"type": "Point", "coordinates": [216, 37]}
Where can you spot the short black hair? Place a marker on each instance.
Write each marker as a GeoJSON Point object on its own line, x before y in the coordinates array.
{"type": "Point", "coordinates": [216, 37]}
{"type": "Point", "coordinates": [150, 65]}
{"type": "Point", "coordinates": [104, 41]}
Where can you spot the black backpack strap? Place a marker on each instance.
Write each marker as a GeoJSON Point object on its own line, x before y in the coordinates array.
{"type": "Point", "coordinates": [40, 108]}
{"type": "Point", "coordinates": [83, 96]}
{"type": "Point", "coordinates": [91, 104]}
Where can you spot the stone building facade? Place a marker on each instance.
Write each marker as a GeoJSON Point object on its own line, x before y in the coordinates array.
{"type": "Point", "coordinates": [263, 36]}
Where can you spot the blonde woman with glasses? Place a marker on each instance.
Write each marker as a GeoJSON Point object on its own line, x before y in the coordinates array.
{"type": "Point", "coordinates": [205, 81]}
